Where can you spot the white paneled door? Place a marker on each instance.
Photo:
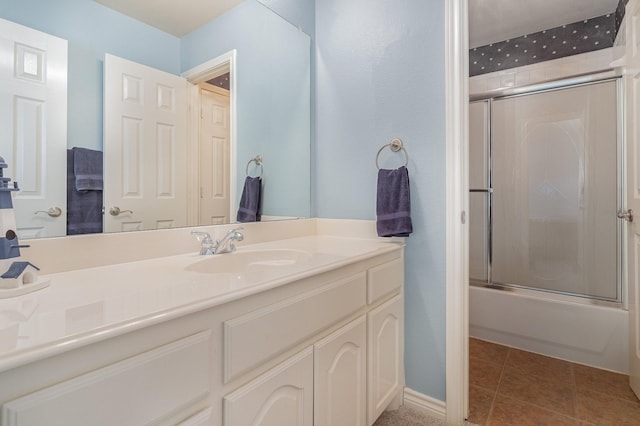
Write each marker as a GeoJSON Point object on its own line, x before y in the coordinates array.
{"type": "Point", "coordinates": [214, 155]}
{"type": "Point", "coordinates": [145, 147]}
{"type": "Point", "coordinates": [33, 126]}
{"type": "Point", "coordinates": [632, 89]}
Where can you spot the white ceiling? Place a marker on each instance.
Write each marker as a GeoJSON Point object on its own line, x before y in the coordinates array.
{"type": "Point", "coordinates": [177, 17]}
{"type": "Point", "coordinates": [491, 21]}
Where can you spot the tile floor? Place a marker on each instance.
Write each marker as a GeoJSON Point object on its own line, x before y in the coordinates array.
{"type": "Point", "coordinates": [512, 387]}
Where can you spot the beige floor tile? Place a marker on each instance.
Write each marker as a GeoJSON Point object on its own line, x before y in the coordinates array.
{"type": "Point", "coordinates": [484, 374]}
{"type": "Point", "coordinates": [480, 401]}
{"type": "Point", "coordinates": [613, 384]}
{"type": "Point", "coordinates": [510, 412]}
{"type": "Point", "coordinates": [550, 394]}
{"type": "Point", "coordinates": [488, 351]}
{"type": "Point", "coordinates": [540, 366]}
{"type": "Point", "coordinates": [602, 409]}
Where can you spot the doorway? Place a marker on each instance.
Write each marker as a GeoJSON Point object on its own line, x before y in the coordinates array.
{"type": "Point", "coordinates": [214, 141]}
{"type": "Point", "coordinates": [212, 164]}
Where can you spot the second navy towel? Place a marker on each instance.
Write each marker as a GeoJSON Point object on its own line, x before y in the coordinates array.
{"type": "Point", "coordinates": [250, 202]}
{"type": "Point", "coordinates": [393, 207]}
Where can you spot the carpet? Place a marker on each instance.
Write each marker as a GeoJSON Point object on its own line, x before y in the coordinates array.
{"type": "Point", "coordinates": [404, 416]}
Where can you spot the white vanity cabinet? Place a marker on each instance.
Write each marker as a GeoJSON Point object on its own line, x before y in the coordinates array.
{"type": "Point", "coordinates": [344, 391]}
{"type": "Point", "coordinates": [385, 337]}
{"type": "Point", "coordinates": [142, 389]}
{"type": "Point", "coordinates": [282, 396]}
{"type": "Point", "coordinates": [385, 361]}
{"type": "Point", "coordinates": [340, 376]}
{"type": "Point", "coordinates": [322, 349]}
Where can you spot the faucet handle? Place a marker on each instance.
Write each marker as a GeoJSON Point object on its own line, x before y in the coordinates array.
{"type": "Point", "coordinates": [203, 237]}
{"type": "Point", "coordinates": [237, 232]}
{"type": "Point", "coordinates": [207, 242]}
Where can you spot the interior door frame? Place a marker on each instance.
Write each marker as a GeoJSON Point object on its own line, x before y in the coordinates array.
{"type": "Point", "coordinates": [199, 74]}
{"type": "Point", "coordinates": [457, 206]}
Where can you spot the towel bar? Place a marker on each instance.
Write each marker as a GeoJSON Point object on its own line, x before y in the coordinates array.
{"type": "Point", "coordinates": [258, 160]}
{"type": "Point", "coordinates": [395, 145]}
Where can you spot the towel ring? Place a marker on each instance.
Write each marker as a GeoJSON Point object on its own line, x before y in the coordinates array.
{"type": "Point", "coordinates": [395, 145]}
{"type": "Point", "coordinates": [258, 160]}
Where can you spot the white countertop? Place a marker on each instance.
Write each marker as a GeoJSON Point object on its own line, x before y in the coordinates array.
{"type": "Point", "coordinates": [88, 305]}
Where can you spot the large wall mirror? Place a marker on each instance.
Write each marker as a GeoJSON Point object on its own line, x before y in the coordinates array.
{"type": "Point", "coordinates": [239, 86]}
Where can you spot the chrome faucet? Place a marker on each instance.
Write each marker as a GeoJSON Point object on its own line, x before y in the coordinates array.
{"type": "Point", "coordinates": [207, 242]}
{"type": "Point", "coordinates": [225, 245]}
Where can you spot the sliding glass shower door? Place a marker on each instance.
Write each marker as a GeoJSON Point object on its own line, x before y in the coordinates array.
{"type": "Point", "coordinates": [553, 188]}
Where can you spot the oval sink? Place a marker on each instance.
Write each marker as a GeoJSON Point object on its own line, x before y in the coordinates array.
{"type": "Point", "coordinates": [245, 261]}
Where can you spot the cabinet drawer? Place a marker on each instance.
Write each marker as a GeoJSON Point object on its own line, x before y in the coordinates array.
{"type": "Point", "coordinates": [383, 280]}
{"type": "Point", "coordinates": [138, 390]}
{"type": "Point", "coordinates": [252, 339]}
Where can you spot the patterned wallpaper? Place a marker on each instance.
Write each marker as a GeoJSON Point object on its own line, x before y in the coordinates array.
{"type": "Point", "coordinates": [571, 39]}
{"type": "Point", "coordinates": [620, 12]}
{"type": "Point", "coordinates": [221, 81]}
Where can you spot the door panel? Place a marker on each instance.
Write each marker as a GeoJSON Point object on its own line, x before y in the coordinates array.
{"type": "Point", "coordinates": [214, 156]}
{"type": "Point", "coordinates": [283, 396]}
{"type": "Point", "coordinates": [555, 190]}
{"type": "Point", "coordinates": [33, 126]}
{"type": "Point", "coordinates": [632, 94]}
{"type": "Point", "coordinates": [480, 192]}
{"type": "Point", "coordinates": [145, 147]}
{"type": "Point", "coordinates": [340, 376]}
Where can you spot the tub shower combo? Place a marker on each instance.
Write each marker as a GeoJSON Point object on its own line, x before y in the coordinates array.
{"type": "Point", "coordinates": [546, 185]}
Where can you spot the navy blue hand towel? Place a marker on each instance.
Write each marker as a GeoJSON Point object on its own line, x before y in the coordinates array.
{"type": "Point", "coordinates": [393, 207]}
{"type": "Point", "coordinates": [87, 168]}
{"type": "Point", "coordinates": [250, 202]}
{"type": "Point", "coordinates": [84, 208]}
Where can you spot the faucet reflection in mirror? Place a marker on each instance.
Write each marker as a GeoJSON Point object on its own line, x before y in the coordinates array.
{"type": "Point", "coordinates": [18, 277]}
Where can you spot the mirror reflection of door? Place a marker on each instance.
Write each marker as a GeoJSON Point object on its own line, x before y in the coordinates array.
{"type": "Point", "coordinates": [33, 126]}
{"type": "Point", "coordinates": [214, 155]}
{"type": "Point", "coordinates": [145, 147]}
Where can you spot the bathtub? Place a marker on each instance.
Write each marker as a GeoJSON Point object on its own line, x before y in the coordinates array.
{"type": "Point", "coordinates": [577, 332]}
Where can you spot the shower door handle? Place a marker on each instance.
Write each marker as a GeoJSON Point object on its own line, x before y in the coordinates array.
{"type": "Point", "coordinates": [626, 215]}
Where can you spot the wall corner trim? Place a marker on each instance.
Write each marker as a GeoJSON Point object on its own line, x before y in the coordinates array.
{"type": "Point", "coordinates": [457, 203]}
{"type": "Point", "coordinates": [424, 404]}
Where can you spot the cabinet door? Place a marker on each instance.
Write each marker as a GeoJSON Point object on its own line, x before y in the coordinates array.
{"type": "Point", "coordinates": [283, 396]}
{"type": "Point", "coordinates": [385, 353]}
{"type": "Point", "coordinates": [340, 377]}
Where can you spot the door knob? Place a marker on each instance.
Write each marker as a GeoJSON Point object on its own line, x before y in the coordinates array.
{"type": "Point", "coordinates": [51, 211]}
{"type": "Point", "coordinates": [115, 211]}
{"type": "Point", "coordinates": [626, 215]}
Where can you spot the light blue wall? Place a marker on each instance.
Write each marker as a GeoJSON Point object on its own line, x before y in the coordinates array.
{"type": "Point", "coordinates": [93, 30]}
{"type": "Point", "coordinates": [300, 13]}
{"type": "Point", "coordinates": [380, 75]}
{"type": "Point", "coordinates": [273, 65]}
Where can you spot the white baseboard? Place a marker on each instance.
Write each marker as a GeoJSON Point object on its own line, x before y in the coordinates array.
{"type": "Point", "coordinates": [425, 404]}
